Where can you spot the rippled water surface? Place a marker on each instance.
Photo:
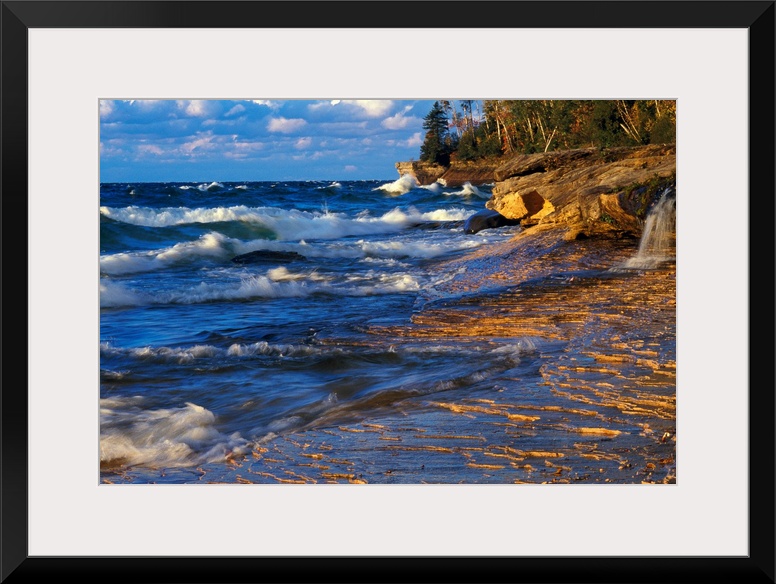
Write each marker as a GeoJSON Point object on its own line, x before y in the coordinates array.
{"type": "Point", "coordinates": [251, 332]}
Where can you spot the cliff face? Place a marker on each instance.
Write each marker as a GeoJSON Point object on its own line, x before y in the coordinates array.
{"type": "Point", "coordinates": [587, 191]}
{"type": "Point", "coordinates": [423, 172]}
{"type": "Point", "coordinates": [455, 175]}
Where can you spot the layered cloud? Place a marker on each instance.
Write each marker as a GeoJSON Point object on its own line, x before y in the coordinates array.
{"type": "Point", "coordinates": [285, 126]}
{"type": "Point", "coordinates": [257, 139]}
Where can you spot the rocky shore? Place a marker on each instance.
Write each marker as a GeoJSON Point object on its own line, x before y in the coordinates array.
{"type": "Point", "coordinates": [586, 192]}
{"type": "Point", "coordinates": [592, 400]}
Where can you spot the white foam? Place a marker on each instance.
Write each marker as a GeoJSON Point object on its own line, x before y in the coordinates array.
{"type": "Point", "coordinates": [288, 225]}
{"type": "Point", "coordinates": [448, 215]}
{"type": "Point", "coordinates": [267, 349]}
{"type": "Point", "coordinates": [167, 216]}
{"type": "Point", "coordinates": [186, 355]}
{"type": "Point", "coordinates": [382, 283]}
{"type": "Point", "coordinates": [514, 351]}
{"type": "Point", "coordinates": [211, 245]}
{"type": "Point", "coordinates": [250, 287]}
{"type": "Point", "coordinates": [416, 249]}
{"type": "Point", "coordinates": [469, 190]}
{"type": "Point", "coordinates": [113, 295]}
{"type": "Point", "coordinates": [214, 186]}
{"type": "Point", "coordinates": [334, 185]}
{"type": "Point", "coordinates": [405, 184]}
{"type": "Point", "coordinates": [435, 187]}
{"type": "Point", "coordinates": [175, 437]}
{"type": "Point", "coordinates": [277, 283]}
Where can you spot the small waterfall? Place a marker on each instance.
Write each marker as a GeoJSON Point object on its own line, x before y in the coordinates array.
{"type": "Point", "coordinates": [658, 238]}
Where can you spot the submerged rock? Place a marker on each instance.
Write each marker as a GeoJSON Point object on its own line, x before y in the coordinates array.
{"type": "Point", "coordinates": [268, 256]}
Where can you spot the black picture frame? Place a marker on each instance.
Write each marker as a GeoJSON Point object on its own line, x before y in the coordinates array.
{"type": "Point", "coordinates": [756, 16]}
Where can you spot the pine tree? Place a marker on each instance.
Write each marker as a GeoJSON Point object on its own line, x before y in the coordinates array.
{"type": "Point", "coordinates": [435, 147]}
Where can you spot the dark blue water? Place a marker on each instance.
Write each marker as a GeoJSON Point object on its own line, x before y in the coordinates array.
{"type": "Point", "coordinates": [235, 311]}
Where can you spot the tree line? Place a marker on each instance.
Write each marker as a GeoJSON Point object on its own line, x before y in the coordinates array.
{"type": "Point", "coordinates": [473, 129]}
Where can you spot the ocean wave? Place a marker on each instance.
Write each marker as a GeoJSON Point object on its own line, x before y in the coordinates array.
{"type": "Point", "coordinates": [400, 186]}
{"type": "Point", "coordinates": [469, 190]}
{"type": "Point", "coordinates": [213, 246]}
{"type": "Point", "coordinates": [150, 217]}
{"type": "Point", "coordinates": [419, 249]}
{"type": "Point", "coordinates": [174, 437]}
{"type": "Point", "coordinates": [279, 283]}
{"type": "Point", "coordinates": [216, 247]}
{"type": "Point", "coordinates": [435, 187]}
{"type": "Point", "coordinates": [214, 186]}
{"type": "Point", "coordinates": [334, 185]}
{"type": "Point", "coordinates": [288, 226]}
{"type": "Point", "coordinates": [116, 295]}
{"type": "Point", "coordinates": [186, 355]}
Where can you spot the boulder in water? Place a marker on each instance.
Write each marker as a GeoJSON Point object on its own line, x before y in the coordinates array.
{"type": "Point", "coordinates": [266, 256]}
{"type": "Point", "coordinates": [487, 219]}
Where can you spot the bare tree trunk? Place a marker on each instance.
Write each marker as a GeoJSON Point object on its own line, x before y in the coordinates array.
{"type": "Point", "coordinates": [631, 129]}
{"type": "Point", "coordinates": [549, 141]}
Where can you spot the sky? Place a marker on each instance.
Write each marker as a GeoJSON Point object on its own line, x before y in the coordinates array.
{"type": "Point", "coordinates": [255, 140]}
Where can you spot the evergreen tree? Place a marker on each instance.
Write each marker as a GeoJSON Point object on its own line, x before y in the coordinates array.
{"type": "Point", "coordinates": [526, 126]}
{"type": "Point", "coordinates": [436, 146]}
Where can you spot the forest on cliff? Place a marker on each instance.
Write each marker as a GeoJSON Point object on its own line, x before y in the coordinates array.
{"type": "Point", "coordinates": [467, 130]}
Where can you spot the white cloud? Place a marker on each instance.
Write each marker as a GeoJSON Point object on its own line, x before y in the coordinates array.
{"type": "Point", "coordinates": [303, 143]}
{"type": "Point", "coordinates": [285, 125]}
{"type": "Point", "coordinates": [412, 141]}
{"type": "Point", "coordinates": [343, 126]}
{"type": "Point", "coordinates": [270, 104]}
{"type": "Point", "coordinates": [239, 108]}
{"type": "Point", "coordinates": [415, 140]}
{"type": "Point", "coordinates": [150, 149]}
{"type": "Point", "coordinates": [114, 147]}
{"type": "Point", "coordinates": [351, 168]}
{"type": "Point", "coordinates": [196, 108]}
{"type": "Point", "coordinates": [247, 146]}
{"type": "Point", "coordinates": [308, 156]}
{"type": "Point", "coordinates": [107, 107]}
{"type": "Point", "coordinates": [147, 104]}
{"type": "Point", "coordinates": [398, 121]}
{"type": "Point", "coordinates": [203, 142]}
{"type": "Point", "coordinates": [374, 108]}
{"type": "Point", "coordinates": [322, 105]}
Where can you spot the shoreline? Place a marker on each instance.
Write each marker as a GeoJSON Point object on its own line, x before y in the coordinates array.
{"type": "Point", "coordinates": [602, 411]}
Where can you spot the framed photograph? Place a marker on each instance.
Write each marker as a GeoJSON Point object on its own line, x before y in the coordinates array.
{"type": "Point", "coordinates": [450, 290]}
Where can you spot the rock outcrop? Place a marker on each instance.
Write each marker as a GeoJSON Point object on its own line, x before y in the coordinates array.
{"type": "Point", "coordinates": [456, 175]}
{"type": "Point", "coordinates": [589, 192]}
{"type": "Point", "coordinates": [423, 172]}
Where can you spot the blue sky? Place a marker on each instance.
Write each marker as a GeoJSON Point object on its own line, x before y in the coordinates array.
{"type": "Point", "coordinates": [244, 140]}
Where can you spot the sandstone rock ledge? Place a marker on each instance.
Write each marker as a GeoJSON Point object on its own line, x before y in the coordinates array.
{"type": "Point", "coordinates": [589, 192]}
{"type": "Point", "coordinates": [455, 175]}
